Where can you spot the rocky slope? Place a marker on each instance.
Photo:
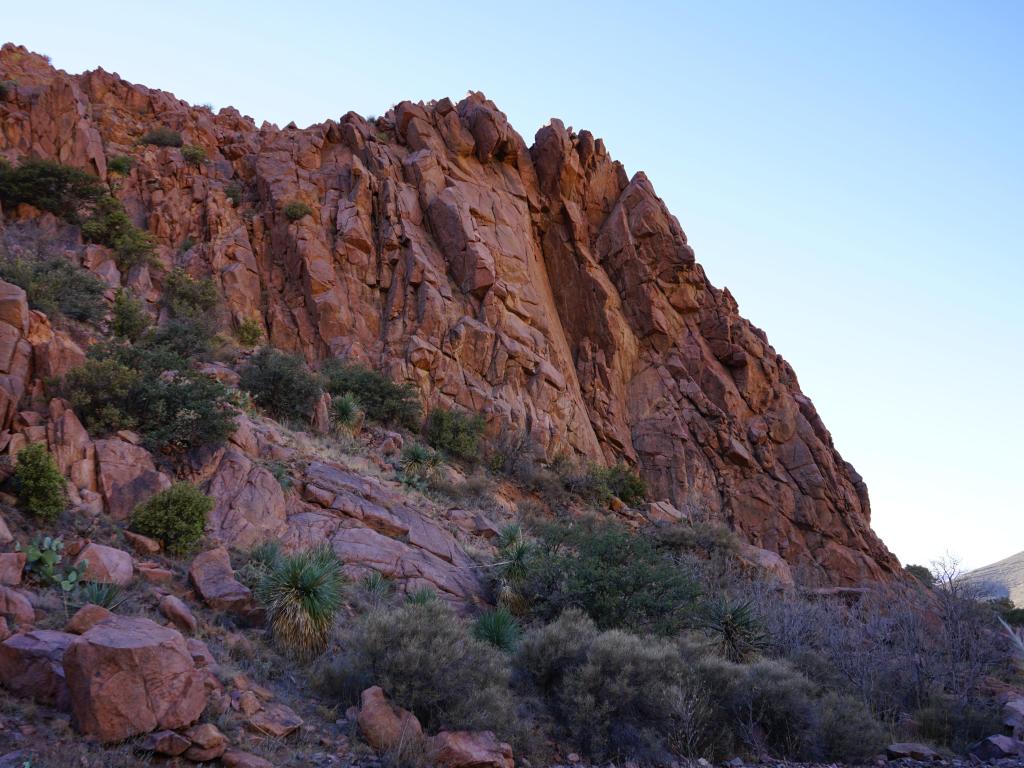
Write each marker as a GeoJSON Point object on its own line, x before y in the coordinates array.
{"type": "Point", "coordinates": [538, 285]}
{"type": "Point", "coordinates": [1002, 579]}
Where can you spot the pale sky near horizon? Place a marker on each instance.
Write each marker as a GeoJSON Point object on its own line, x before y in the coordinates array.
{"type": "Point", "coordinates": [853, 172]}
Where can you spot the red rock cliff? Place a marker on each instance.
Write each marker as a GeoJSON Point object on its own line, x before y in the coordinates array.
{"type": "Point", "coordinates": [538, 285]}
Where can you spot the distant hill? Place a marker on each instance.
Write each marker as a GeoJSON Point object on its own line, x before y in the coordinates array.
{"type": "Point", "coordinates": [1003, 579]}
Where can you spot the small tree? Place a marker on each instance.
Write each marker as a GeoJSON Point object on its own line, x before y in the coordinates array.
{"type": "Point", "coordinates": [130, 318]}
{"type": "Point", "coordinates": [454, 432]}
{"type": "Point", "coordinates": [41, 488]}
{"type": "Point", "coordinates": [281, 384]}
{"type": "Point", "coordinates": [175, 516]}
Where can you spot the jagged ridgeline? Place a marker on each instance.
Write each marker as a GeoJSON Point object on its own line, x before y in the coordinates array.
{"type": "Point", "coordinates": [539, 286]}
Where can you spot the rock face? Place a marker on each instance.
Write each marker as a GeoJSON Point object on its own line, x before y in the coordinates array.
{"type": "Point", "coordinates": [129, 676]}
{"type": "Point", "coordinates": [540, 286]}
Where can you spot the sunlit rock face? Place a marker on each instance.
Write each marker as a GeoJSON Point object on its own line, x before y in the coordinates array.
{"type": "Point", "coordinates": [539, 285]}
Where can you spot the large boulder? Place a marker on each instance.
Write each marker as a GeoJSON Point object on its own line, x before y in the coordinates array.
{"type": "Point", "coordinates": [911, 751]}
{"type": "Point", "coordinates": [383, 725]}
{"type": "Point", "coordinates": [31, 665]}
{"type": "Point", "coordinates": [128, 676]}
{"type": "Point", "coordinates": [470, 749]}
{"type": "Point", "coordinates": [106, 565]}
{"type": "Point", "coordinates": [215, 581]}
{"type": "Point", "coordinates": [996, 748]}
{"type": "Point", "coordinates": [126, 476]}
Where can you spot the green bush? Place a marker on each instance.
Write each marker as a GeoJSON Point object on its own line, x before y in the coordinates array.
{"type": "Point", "coordinates": [425, 659]}
{"type": "Point", "coordinates": [57, 287]}
{"type": "Point", "coordinates": [497, 627]}
{"type": "Point", "coordinates": [99, 392]}
{"type": "Point", "coordinates": [162, 137]}
{"type": "Point", "coordinates": [120, 164]}
{"type": "Point", "coordinates": [111, 226]}
{"type": "Point", "coordinates": [124, 387]}
{"type": "Point", "coordinates": [295, 210]}
{"type": "Point", "coordinates": [602, 483]}
{"type": "Point", "coordinates": [175, 516]}
{"type": "Point", "coordinates": [383, 400]}
{"type": "Point", "coordinates": [280, 384]}
{"type": "Point", "coordinates": [183, 411]}
{"type": "Point", "coordinates": [60, 189]}
{"type": "Point", "coordinates": [457, 434]}
{"type": "Point", "coordinates": [301, 594]}
{"type": "Point", "coordinates": [41, 487]}
{"type": "Point", "coordinates": [921, 573]}
{"type": "Point", "coordinates": [944, 719]}
{"type": "Point", "coordinates": [619, 579]}
{"type": "Point", "coordinates": [188, 297]}
{"type": "Point", "coordinates": [549, 652]}
{"type": "Point", "coordinates": [847, 731]}
{"type": "Point", "coordinates": [250, 332]}
{"type": "Point", "coordinates": [130, 319]}
{"type": "Point", "coordinates": [181, 338]}
{"type": "Point", "coordinates": [193, 155]}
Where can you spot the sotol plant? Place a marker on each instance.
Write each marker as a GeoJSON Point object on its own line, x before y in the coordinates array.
{"type": "Point", "coordinates": [302, 593]}
{"type": "Point", "coordinates": [497, 627]}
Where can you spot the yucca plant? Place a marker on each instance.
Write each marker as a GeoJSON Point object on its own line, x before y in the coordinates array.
{"type": "Point", "coordinates": [735, 629]}
{"type": "Point", "coordinates": [497, 627]}
{"type": "Point", "coordinates": [376, 587]}
{"type": "Point", "coordinates": [301, 594]}
{"type": "Point", "coordinates": [346, 412]}
{"type": "Point", "coordinates": [419, 462]}
{"type": "Point", "coordinates": [514, 552]}
{"type": "Point", "coordinates": [106, 595]}
{"type": "Point", "coordinates": [423, 596]}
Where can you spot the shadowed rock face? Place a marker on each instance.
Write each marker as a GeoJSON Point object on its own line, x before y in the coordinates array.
{"type": "Point", "coordinates": [538, 285]}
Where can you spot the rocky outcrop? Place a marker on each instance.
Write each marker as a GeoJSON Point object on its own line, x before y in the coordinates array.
{"type": "Point", "coordinates": [540, 286]}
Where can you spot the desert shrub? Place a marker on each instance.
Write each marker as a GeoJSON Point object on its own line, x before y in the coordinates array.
{"type": "Point", "coordinates": [281, 384]}
{"type": "Point", "coordinates": [64, 191]}
{"type": "Point", "coordinates": [180, 338]}
{"type": "Point", "coordinates": [188, 297]}
{"type": "Point", "coordinates": [175, 516]}
{"type": "Point", "coordinates": [182, 411]}
{"type": "Point", "coordinates": [706, 539]}
{"type": "Point", "coordinates": [425, 659]}
{"type": "Point", "coordinates": [193, 155]}
{"type": "Point", "coordinates": [99, 392]}
{"type": "Point", "coordinates": [600, 484]}
{"type": "Point", "coordinates": [497, 627]}
{"type": "Point", "coordinates": [295, 210]}
{"type": "Point", "coordinates": [615, 694]}
{"type": "Point", "coordinates": [110, 225]}
{"type": "Point", "coordinates": [847, 731]}
{"type": "Point", "coordinates": [120, 164]}
{"type": "Point", "coordinates": [249, 332]}
{"type": "Point", "coordinates": [302, 594]}
{"type": "Point", "coordinates": [734, 628]}
{"type": "Point", "coordinates": [382, 399]}
{"type": "Point", "coordinates": [957, 723]}
{"type": "Point", "coordinates": [619, 579]}
{"type": "Point", "coordinates": [454, 432]}
{"type": "Point", "coordinates": [41, 487]}
{"type": "Point", "coordinates": [549, 652]}
{"type": "Point", "coordinates": [57, 287]}
{"type": "Point", "coordinates": [130, 319]}
{"type": "Point", "coordinates": [162, 137]}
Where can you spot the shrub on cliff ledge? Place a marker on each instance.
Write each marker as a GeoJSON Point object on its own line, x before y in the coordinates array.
{"type": "Point", "coordinates": [130, 319]}
{"type": "Point", "coordinates": [162, 137]}
{"type": "Point", "coordinates": [60, 189]}
{"type": "Point", "coordinates": [280, 384]}
{"type": "Point", "coordinates": [41, 488]}
{"type": "Point", "coordinates": [296, 210]}
{"type": "Point", "coordinates": [56, 286]}
{"type": "Point", "coordinates": [454, 432]}
{"type": "Point", "coordinates": [188, 297]}
{"type": "Point", "coordinates": [175, 516]}
{"type": "Point", "coordinates": [111, 226]}
{"type": "Point", "coordinates": [381, 399]}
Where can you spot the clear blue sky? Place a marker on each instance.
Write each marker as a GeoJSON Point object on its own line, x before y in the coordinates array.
{"type": "Point", "coordinates": [852, 171]}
